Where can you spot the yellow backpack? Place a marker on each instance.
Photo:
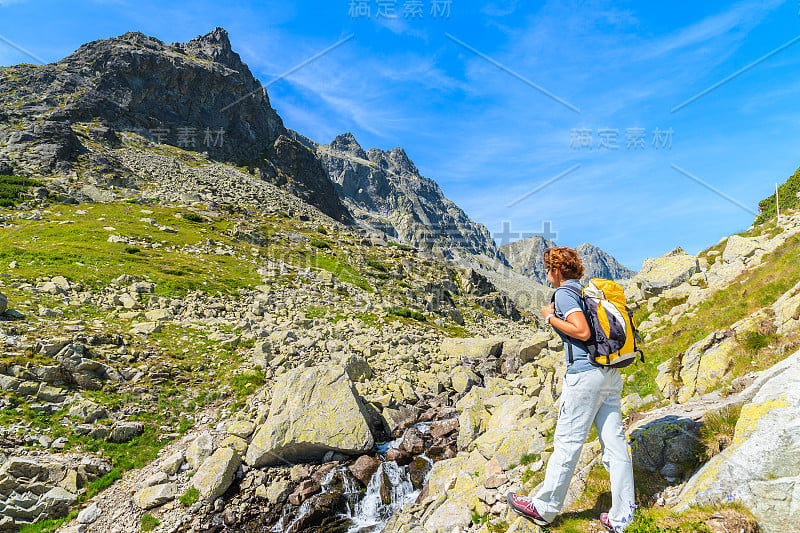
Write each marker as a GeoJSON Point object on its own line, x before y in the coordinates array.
{"type": "Point", "coordinates": [614, 333]}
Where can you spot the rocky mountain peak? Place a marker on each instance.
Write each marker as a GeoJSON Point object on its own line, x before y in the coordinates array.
{"type": "Point", "coordinates": [400, 158]}
{"type": "Point", "coordinates": [346, 142]}
{"type": "Point", "coordinates": [600, 264]}
{"type": "Point", "coordinates": [525, 256]}
{"type": "Point", "coordinates": [214, 46]}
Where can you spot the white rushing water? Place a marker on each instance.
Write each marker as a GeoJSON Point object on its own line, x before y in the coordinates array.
{"type": "Point", "coordinates": [371, 513]}
{"type": "Point", "coordinates": [366, 508]}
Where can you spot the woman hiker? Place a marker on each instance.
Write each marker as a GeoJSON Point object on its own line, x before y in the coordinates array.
{"type": "Point", "coordinates": [591, 394]}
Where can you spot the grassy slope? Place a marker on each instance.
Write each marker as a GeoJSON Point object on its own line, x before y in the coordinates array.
{"type": "Point", "coordinates": [204, 373]}
{"type": "Point", "coordinates": [787, 195]}
{"type": "Point", "coordinates": [749, 292]}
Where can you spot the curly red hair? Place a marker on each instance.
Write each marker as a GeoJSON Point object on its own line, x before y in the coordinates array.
{"type": "Point", "coordinates": [564, 259]}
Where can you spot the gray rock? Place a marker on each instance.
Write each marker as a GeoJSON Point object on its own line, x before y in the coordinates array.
{"type": "Point", "coordinates": [199, 450]}
{"type": "Point", "coordinates": [278, 491]}
{"type": "Point", "coordinates": [262, 353]}
{"type": "Point", "coordinates": [761, 468]}
{"type": "Point", "coordinates": [665, 272]}
{"type": "Point", "coordinates": [216, 473]}
{"type": "Point", "coordinates": [90, 514]}
{"type": "Point", "coordinates": [159, 478]}
{"type": "Point", "coordinates": [173, 463]}
{"type": "Point", "coordinates": [313, 411]}
{"type": "Point", "coordinates": [3, 303]}
{"type": "Point", "coordinates": [357, 368]}
{"type": "Point", "coordinates": [393, 197]}
{"type": "Point", "coordinates": [88, 411]}
{"type": "Point", "coordinates": [125, 431]}
{"type": "Point", "coordinates": [154, 496]}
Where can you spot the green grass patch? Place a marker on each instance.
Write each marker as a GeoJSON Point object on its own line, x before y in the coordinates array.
{"type": "Point", "coordinates": [11, 187]}
{"type": "Point", "coordinates": [755, 341]}
{"type": "Point", "coordinates": [323, 245]}
{"type": "Point", "coordinates": [340, 269]}
{"type": "Point", "coordinates": [81, 251]}
{"type": "Point", "coordinates": [787, 195]}
{"type": "Point", "coordinates": [48, 526]}
{"type": "Point", "coordinates": [377, 265]}
{"type": "Point", "coordinates": [529, 458]}
{"type": "Point", "coordinates": [399, 246]}
{"type": "Point", "coordinates": [718, 428]}
{"type": "Point", "coordinates": [101, 484]}
{"type": "Point", "coordinates": [406, 313]}
{"type": "Point", "coordinates": [149, 522]}
{"type": "Point", "coordinates": [192, 217]}
{"type": "Point", "coordinates": [189, 497]}
{"type": "Point", "coordinates": [243, 385]}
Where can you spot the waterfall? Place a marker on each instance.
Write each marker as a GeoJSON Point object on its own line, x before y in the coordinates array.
{"type": "Point", "coordinates": [370, 513]}
{"type": "Point", "coordinates": [366, 509]}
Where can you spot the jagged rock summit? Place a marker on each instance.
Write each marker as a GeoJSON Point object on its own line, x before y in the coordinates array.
{"type": "Point", "coordinates": [197, 96]}
{"type": "Point", "coordinates": [525, 256]}
{"type": "Point", "coordinates": [385, 190]}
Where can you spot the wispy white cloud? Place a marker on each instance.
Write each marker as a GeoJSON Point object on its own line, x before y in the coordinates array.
{"type": "Point", "coordinates": [501, 8]}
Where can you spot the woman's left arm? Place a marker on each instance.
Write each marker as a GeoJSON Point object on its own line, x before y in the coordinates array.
{"type": "Point", "coordinates": [574, 326]}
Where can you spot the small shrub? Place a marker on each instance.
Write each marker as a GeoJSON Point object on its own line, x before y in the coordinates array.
{"type": "Point", "coordinates": [320, 244]}
{"type": "Point", "coordinates": [407, 313]}
{"type": "Point", "coordinates": [377, 265]}
{"type": "Point", "coordinates": [189, 497]}
{"type": "Point", "coordinates": [149, 522]}
{"type": "Point", "coordinates": [528, 458]}
{"type": "Point", "coordinates": [132, 250]}
{"type": "Point", "coordinates": [192, 217]}
{"type": "Point", "coordinates": [12, 186]}
{"type": "Point", "coordinates": [755, 341]}
{"type": "Point", "coordinates": [718, 428]}
{"type": "Point", "coordinates": [322, 230]}
{"type": "Point", "coordinates": [400, 246]}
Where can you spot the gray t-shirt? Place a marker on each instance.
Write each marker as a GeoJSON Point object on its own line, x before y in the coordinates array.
{"type": "Point", "coordinates": [567, 302]}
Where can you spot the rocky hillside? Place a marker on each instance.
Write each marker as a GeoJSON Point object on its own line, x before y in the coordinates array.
{"type": "Point", "coordinates": [525, 257]}
{"type": "Point", "coordinates": [64, 120]}
{"type": "Point", "coordinates": [215, 346]}
{"type": "Point", "coordinates": [168, 323]}
{"type": "Point", "coordinates": [386, 191]}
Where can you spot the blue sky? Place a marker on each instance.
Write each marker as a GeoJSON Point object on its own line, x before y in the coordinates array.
{"type": "Point", "coordinates": [484, 99]}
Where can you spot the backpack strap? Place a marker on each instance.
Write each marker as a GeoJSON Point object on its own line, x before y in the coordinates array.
{"type": "Point", "coordinates": [635, 335]}
{"type": "Point", "coordinates": [553, 300]}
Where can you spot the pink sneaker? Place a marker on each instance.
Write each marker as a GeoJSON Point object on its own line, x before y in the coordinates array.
{"type": "Point", "coordinates": [523, 505]}
{"type": "Point", "coordinates": [606, 522]}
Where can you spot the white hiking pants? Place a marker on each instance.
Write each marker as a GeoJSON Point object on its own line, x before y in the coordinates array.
{"type": "Point", "coordinates": [591, 396]}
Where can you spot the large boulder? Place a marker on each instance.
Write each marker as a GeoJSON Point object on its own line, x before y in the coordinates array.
{"type": "Point", "coordinates": [471, 348]}
{"type": "Point", "coordinates": [761, 468]}
{"type": "Point", "coordinates": [665, 272]}
{"type": "Point", "coordinates": [527, 349]}
{"type": "Point", "coordinates": [216, 473]}
{"type": "Point", "coordinates": [313, 411]}
{"type": "Point", "coordinates": [155, 496]}
{"type": "Point", "coordinates": [740, 248]}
